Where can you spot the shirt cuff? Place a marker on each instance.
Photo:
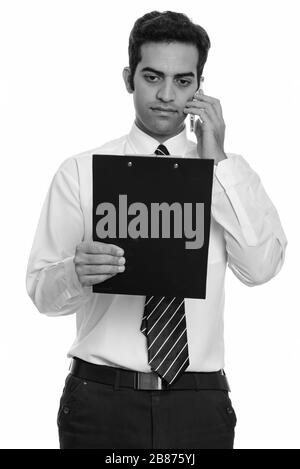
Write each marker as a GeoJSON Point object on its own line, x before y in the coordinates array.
{"type": "Point", "coordinates": [74, 287]}
{"type": "Point", "coordinates": [232, 171]}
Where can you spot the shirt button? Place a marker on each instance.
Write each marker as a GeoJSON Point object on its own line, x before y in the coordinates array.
{"type": "Point", "coordinates": [66, 410]}
{"type": "Point", "coordinates": [229, 410]}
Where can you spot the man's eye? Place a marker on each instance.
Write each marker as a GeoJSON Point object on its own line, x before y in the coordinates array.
{"type": "Point", "coordinates": [154, 78]}
{"type": "Point", "coordinates": [150, 77]}
{"type": "Point", "coordinates": [185, 82]}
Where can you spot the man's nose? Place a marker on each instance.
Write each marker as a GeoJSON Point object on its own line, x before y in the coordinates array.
{"type": "Point", "coordinates": [166, 92]}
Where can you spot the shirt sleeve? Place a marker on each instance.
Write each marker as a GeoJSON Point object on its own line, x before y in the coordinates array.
{"type": "Point", "coordinates": [51, 280]}
{"type": "Point", "coordinates": [255, 240]}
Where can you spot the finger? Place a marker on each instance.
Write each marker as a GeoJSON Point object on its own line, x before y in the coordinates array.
{"type": "Point", "coordinates": [86, 270]}
{"type": "Point", "coordinates": [89, 280]}
{"type": "Point", "coordinates": [208, 113]}
{"type": "Point", "coordinates": [103, 259]}
{"type": "Point", "coordinates": [213, 101]}
{"type": "Point", "coordinates": [95, 247]}
{"type": "Point", "coordinates": [197, 104]}
{"type": "Point", "coordinates": [203, 121]}
{"type": "Point", "coordinates": [196, 95]}
{"type": "Point", "coordinates": [212, 112]}
{"type": "Point", "coordinates": [208, 99]}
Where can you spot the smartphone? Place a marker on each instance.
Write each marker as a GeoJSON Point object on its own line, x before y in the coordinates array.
{"type": "Point", "coordinates": [192, 117]}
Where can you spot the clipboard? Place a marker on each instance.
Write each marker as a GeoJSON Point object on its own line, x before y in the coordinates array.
{"type": "Point", "coordinates": [133, 208]}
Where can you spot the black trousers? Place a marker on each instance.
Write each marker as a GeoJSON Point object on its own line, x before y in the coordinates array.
{"type": "Point", "coordinates": [102, 416]}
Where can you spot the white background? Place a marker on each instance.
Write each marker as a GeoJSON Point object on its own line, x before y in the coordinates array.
{"type": "Point", "coordinates": [62, 93]}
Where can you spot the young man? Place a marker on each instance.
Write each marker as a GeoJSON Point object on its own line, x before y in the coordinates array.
{"type": "Point", "coordinates": [115, 397]}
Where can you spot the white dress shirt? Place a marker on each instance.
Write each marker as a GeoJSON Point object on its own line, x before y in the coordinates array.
{"type": "Point", "coordinates": [245, 233]}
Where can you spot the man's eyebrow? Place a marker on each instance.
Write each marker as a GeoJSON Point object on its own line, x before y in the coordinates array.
{"type": "Point", "coordinates": [161, 74]}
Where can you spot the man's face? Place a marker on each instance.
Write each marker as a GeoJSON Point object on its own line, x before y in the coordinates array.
{"type": "Point", "coordinates": [165, 78]}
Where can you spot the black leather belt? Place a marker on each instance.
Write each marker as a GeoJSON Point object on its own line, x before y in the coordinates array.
{"type": "Point", "coordinates": [147, 381]}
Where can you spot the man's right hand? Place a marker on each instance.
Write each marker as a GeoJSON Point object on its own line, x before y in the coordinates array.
{"type": "Point", "coordinates": [96, 262]}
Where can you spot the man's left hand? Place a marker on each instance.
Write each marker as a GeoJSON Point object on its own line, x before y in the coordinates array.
{"type": "Point", "coordinates": [211, 132]}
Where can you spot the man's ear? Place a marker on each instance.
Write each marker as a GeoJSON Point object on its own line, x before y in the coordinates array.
{"type": "Point", "coordinates": [126, 78]}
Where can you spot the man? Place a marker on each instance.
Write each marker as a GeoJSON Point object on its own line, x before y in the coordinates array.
{"type": "Point", "coordinates": [114, 397]}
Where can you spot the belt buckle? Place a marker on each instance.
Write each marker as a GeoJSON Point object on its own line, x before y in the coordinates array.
{"type": "Point", "coordinates": [147, 381]}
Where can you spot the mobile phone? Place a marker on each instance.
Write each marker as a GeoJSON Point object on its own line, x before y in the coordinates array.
{"type": "Point", "coordinates": [192, 116]}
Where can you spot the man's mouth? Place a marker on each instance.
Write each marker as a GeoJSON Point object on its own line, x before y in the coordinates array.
{"type": "Point", "coordinates": [163, 110]}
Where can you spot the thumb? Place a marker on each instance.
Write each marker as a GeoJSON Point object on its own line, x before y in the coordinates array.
{"type": "Point", "coordinates": [198, 129]}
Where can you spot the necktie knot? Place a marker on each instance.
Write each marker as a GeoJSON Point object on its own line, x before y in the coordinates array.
{"type": "Point", "coordinates": [161, 150]}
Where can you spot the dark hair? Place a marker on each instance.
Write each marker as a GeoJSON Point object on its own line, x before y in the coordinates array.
{"type": "Point", "coordinates": [167, 26]}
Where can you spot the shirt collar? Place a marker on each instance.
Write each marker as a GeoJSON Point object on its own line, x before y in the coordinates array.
{"type": "Point", "coordinates": [145, 144]}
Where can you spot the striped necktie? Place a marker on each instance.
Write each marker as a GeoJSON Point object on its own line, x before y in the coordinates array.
{"type": "Point", "coordinates": [164, 325]}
